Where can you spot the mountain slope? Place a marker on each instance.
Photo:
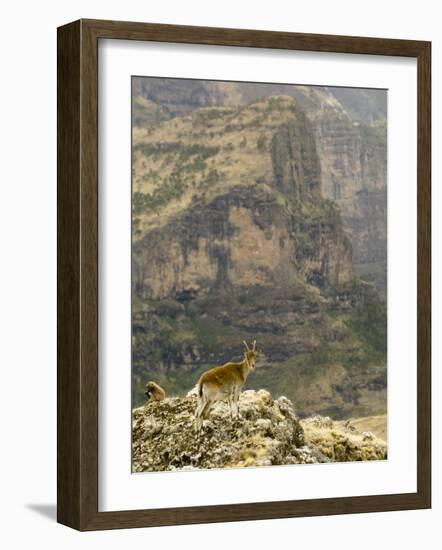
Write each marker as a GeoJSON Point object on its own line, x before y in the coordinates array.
{"type": "Point", "coordinates": [349, 127]}
{"type": "Point", "coordinates": [233, 240]}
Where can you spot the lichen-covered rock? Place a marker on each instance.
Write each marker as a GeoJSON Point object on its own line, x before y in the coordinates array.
{"type": "Point", "coordinates": [342, 442]}
{"type": "Point", "coordinates": [267, 433]}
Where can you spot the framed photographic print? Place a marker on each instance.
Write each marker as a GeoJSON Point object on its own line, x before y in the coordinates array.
{"type": "Point", "coordinates": [243, 274]}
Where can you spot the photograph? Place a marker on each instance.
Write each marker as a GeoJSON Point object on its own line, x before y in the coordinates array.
{"type": "Point", "coordinates": [259, 274]}
{"type": "Point", "coordinates": [226, 211]}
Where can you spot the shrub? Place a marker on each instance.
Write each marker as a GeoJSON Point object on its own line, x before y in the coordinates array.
{"type": "Point", "coordinates": [172, 188]}
{"type": "Point", "coordinates": [261, 143]}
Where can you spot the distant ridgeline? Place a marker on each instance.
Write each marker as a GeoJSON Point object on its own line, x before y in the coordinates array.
{"type": "Point", "coordinates": [260, 218]}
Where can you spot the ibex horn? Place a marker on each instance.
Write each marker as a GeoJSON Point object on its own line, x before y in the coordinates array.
{"type": "Point", "coordinates": [247, 347]}
{"type": "Point", "coordinates": [254, 345]}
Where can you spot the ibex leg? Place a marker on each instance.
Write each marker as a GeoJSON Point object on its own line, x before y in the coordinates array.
{"type": "Point", "coordinates": [237, 392]}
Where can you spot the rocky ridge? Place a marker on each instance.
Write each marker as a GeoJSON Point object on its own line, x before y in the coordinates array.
{"type": "Point", "coordinates": [268, 433]}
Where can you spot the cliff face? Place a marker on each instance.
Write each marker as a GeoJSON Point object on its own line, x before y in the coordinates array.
{"type": "Point", "coordinates": [354, 174]}
{"type": "Point", "coordinates": [268, 433]}
{"type": "Point", "coordinates": [240, 239]}
{"type": "Point", "coordinates": [349, 128]}
{"type": "Point", "coordinates": [259, 219]}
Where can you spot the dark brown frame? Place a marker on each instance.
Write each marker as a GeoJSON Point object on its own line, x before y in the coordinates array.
{"type": "Point", "coordinates": [77, 459]}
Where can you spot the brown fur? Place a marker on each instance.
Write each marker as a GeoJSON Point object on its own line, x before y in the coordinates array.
{"type": "Point", "coordinates": [154, 392]}
{"type": "Point", "coordinates": [224, 382]}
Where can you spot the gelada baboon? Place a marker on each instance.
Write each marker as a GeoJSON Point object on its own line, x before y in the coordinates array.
{"type": "Point", "coordinates": [154, 392]}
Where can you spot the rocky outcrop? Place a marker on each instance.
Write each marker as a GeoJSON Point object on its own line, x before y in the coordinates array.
{"type": "Point", "coordinates": [342, 442]}
{"type": "Point", "coordinates": [296, 165]}
{"type": "Point", "coordinates": [268, 433]}
{"type": "Point", "coordinates": [245, 237]}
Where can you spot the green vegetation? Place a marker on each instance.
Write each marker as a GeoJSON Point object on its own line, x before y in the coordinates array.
{"type": "Point", "coordinates": [369, 322]}
{"type": "Point", "coordinates": [281, 104]}
{"type": "Point", "coordinates": [184, 151]}
{"type": "Point", "coordinates": [160, 148]}
{"type": "Point", "coordinates": [243, 299]}
{"type": "Point", "coordinates": [202, 116]}
{"type": "Point", "coordinates": [212, 177]}
{"type": "Point", "coordinates": [152, 175]}
{"type": "Point", "coordinates": [261, 144]}
{"type": "Point", "coordinates": [171, 188]}
{"type": "Point", "coordinates": [195, 149]}
{"type": "Point", "coordinates": [257, 121]}
{"type": "Point", "coordinates": [197, 165]}
{"type": "Point", "coordinates": [186, 159]}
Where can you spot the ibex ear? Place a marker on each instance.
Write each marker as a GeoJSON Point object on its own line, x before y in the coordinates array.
{"type": "Point", "coordinates": [247, 347]}
{"type": "Point", "coordinates": [254, 345]}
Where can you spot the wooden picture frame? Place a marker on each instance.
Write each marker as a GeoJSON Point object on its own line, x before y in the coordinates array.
{"type": "Point", "coordinates": [77, 461]}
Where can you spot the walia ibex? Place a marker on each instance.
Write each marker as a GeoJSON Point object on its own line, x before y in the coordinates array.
{"type": "Point", "coordinates": [224, 382]}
